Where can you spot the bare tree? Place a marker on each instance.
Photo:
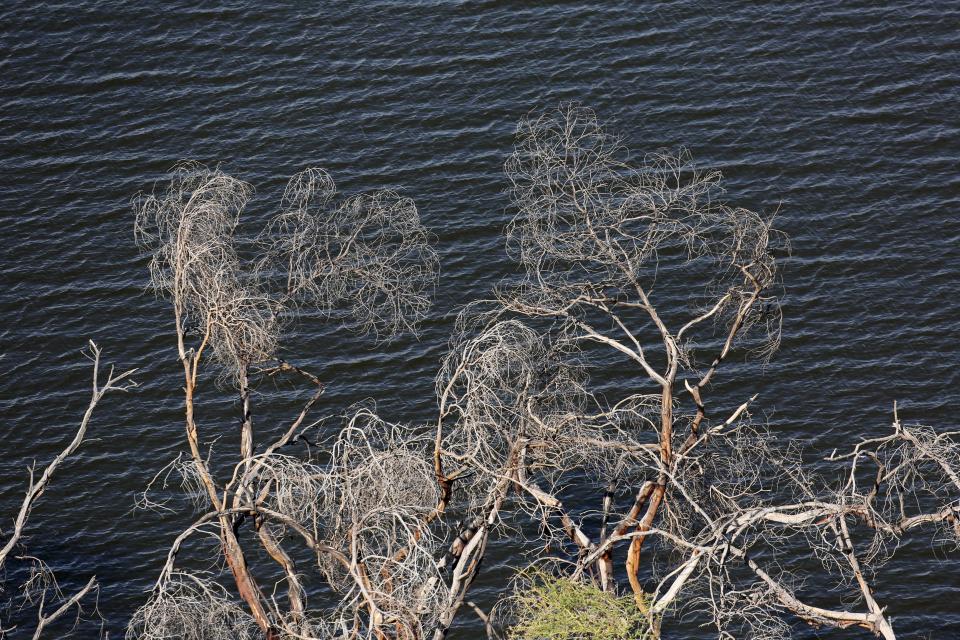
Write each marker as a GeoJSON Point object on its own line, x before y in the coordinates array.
{"type": "Point", "coordinates": [591, 232]}
{"type": "Point", "coordinates": [634, 267]}
{"type": "Point", "coordinates": [40, 591]}
{"type": "Point", "coordinates": [598, 237]}
{"type": "Point", "coordinates": [368, 256]}
{"type": "Point", "coordinates": [600, 240]}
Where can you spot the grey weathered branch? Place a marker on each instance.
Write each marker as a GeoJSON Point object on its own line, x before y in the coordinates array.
{"type": "Point", "coordinates": [42, 584]}
{"type": "Point", "coordinates": [36, 486]}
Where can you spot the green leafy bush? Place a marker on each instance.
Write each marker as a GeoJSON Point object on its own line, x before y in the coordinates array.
{"type": "Point", "coordinates": [546, 607]}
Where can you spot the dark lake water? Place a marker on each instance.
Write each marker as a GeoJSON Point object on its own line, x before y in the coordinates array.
{"type": "Point", "coordinates": [843, 116]}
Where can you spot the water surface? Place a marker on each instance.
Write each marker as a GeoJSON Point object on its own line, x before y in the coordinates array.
{"type": "Point", "coordinates": [843, 117]}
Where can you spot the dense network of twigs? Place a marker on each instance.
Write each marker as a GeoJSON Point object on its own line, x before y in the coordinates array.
{"type": "Point", "coordinates": [361, 514]}
{"type": "Point", "coordinates": [188, 231]}
{"type": "Point", "coordinates": [364, 511]}
{"type": "Point", "coordinates": [636, 267]}
{"type": "Point", "coordinates": [369, 254]}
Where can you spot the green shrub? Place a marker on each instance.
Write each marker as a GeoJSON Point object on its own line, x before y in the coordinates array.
{"type": "Point", "coordinates": [550, 608]}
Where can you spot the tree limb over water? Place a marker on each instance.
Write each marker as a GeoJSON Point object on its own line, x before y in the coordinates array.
{"type": "Point", "coordinates": [41, 590]}
{"type": "Point", "coordinates": [637, 268]}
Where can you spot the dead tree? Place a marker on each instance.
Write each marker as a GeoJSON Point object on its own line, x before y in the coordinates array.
{"type": "Point", "coordinates": [361, 515]}
{"type": "Point", "coordinates": [40, 595]}
{"type": "Point", "coordinates": [591, 231]}
{"type": "Point", "coordinates": [686, 509]}
{"type": "Point", "coordinates": [367, 255]}
{"type": "Point", "coordinates": [638, 268]}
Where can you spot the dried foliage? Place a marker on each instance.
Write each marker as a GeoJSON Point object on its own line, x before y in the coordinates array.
{"type": "Point", "coordinates": [369, 254]}
{"type": "Point", "coordinates": [364, 515]}
{"type": "Point", "coordinates": [594, 230]}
